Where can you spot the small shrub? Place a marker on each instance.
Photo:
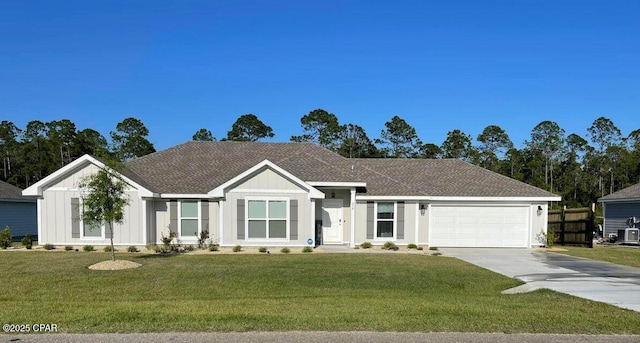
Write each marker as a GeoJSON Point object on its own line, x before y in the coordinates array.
{"type": "Point", "coordinates": [132, 248]}
{"type": "Point", "coordinates": [27, 241]}
{"type": "Point", "coordinates": [262, 249]}
{"type": "Point", "coordinates": [68, 248]}
{"type": "Point", "coordinates": [88, 248]}
{"type": "Point", "coordinates": [108, 249]}
{"type": "Point", "coordinates": [5, 238]}
{"type": "Point", "coordinates": [214, 247]}
{"type": "Point", "coordinates": [390, 246]}
{"type": "Point", "coordinates": [166, 240]}
{"type": "Point", "coordinates": [419, 248]}
{"type": "Point", "coordinates": [437, 253]}
{"type": "Point", "coordinates": [189, 248]}
{"type": "Point", "coordinates": [412, 246]}
{"type": "Point", "coordinates": [366, 245]}
{"type": "Point", "coordinates": [307, 249]}
{"type": "Point", "coordinates": [204, 235]}
{"type": "Point", "coordinates": [285, 250]}
{"type": "Point", "coordinates": [151, 247]}
{"type": "Point", "coordinates": [49, 246]}
{"type": "Point", "coordinates": [237, 248]}
{"type": "Point", "coordinates": [433, 248]}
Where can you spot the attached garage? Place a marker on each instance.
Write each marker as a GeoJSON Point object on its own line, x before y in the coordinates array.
{"type": "Point", "coordinates": [478, 225]}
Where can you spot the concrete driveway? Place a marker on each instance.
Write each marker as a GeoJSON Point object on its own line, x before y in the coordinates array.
{"type": "Point", "coordinates": [599, 281]}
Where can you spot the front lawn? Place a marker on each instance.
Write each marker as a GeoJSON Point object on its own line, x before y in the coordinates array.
{"type": "Point", "coordinates": [625, 255]}
{"type": "Point", "coordinates": [327, 292]}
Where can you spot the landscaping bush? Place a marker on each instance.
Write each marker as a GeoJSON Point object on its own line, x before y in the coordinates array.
{"type": "Point", "coordinates": [204, 235]}
{"type": "Point", "coordinates": [189, 248]}
{"type": "Point", "coordinates": [27, 241]}
{"type": "Point", "coordinates": [68, 248]}
{"type": "Point", "coordinates": [419, 248]}
{"type": "Point", "coordinates": [285, 250]}
{"type": "Point", "coordinates": [390, 246]}
{"type": "Point", "coordinates": [166, 240]}
{"type": "Point", "coordinates": [5, 238]}
{"type": "Point", "coordinates": [214, 247]}
{"type": "Point", "coordinates": [307, 249]}
{"type": "Point", "coordinates": [237, 248]}
{"type": "Point", "coordinates": [88, 248]}
{"type": "Point", "coordinates": [262, 249]}
{"type": "Point", "coordinates": [412, 246]}
{"type": "Point", "coordinates": [132, 248]}
{"type": "Point", "coordinates": [366, 245]}
{"type": "Point", "coordinates": [433, 248]}
{"type": "Point", "coordinates": [108, 249]}
{"type": "Point", "coordinates": [437, 253]}
{"type": "Point", "coordinates": [49, 246]}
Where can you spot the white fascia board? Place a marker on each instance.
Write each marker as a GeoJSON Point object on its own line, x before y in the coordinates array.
{"type": "Point", "coordinates": [36, 188]}
{"type": "Point", "coordinates": [183, 196]}
{"type": "Point", "coordinates": [443, 198]}
{"type": "Point", "coordinates": [619, 200]}
{"type": "Point", "coordinates": [219, 191]}
{"type": "Point", "coordinates": [337, 184]}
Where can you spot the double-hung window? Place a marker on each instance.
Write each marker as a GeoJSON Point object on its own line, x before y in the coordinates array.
{"type": "Point", "coordinates": [189, 218]}
{"type": "Point", "coordinates": [385, 219]}
{"type": "Point", "coordinates": [267, 218]}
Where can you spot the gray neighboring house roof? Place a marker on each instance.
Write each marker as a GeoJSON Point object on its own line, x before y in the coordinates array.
{"type": "Point", "coordinates": [199, 167]}
{"type": "Point", "coordinates": [630, 193]}
{"type": "Point", "coordinates": [11, 192]}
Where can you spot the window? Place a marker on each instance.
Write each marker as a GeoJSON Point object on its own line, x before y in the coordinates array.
{"type": "Point", "coordinates": [385, 219]}
{"type": "Point", "coordinates": [90, 231]}
{"type": "Point", "coordinates": [189, 219]}
{"type": "Point", "coordinates": [267, 219]}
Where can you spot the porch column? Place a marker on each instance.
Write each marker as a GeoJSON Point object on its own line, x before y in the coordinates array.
{"type": "Point", "coordinates": [313, 221]}
{"type": "Point", "coordinates": [352, 202]}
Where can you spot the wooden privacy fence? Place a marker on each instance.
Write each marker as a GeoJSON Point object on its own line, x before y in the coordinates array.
{"type": "Point", "coordinates": [573, 226]}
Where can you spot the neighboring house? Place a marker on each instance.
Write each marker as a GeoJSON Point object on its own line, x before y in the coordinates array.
{"type": "Point", "coordinates": [289, 194]}
{"type": "Point", "coordinates": [17, 212]}
{"type": "Point", "coordinates": [620, 206]}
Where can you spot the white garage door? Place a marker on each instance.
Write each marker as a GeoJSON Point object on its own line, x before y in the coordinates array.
{"type": "Point", "coordinates": [479, 226]}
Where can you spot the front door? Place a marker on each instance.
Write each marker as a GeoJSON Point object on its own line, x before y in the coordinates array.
{"type": "Point", "coordinates": [332, 221]}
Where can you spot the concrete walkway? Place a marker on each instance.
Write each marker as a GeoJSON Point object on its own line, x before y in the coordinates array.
{"type": "Point", "coordinates": [599, 281]}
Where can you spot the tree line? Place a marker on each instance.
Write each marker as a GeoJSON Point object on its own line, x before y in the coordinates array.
{"type": "Point", "coordinates": [579, 168]}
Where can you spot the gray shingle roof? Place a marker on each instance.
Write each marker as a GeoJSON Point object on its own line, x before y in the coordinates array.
{"type": "Point", "coordinates": [199, 167]}
{"type": "Point", "coordinates": [8, 191]}
{"type": "Point", "coordinates": [447, 177]}
{"type": "Point", "coordinates": [632, 192]}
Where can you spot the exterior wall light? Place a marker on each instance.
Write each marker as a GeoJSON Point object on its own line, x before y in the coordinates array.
{"type": "Point", "coordinates": [539, 210]}
{"type": "Point", "coordinates": [423, 209]}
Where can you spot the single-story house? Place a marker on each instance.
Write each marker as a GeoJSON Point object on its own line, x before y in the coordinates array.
{"type": "Point", "coordinates": [17, 212]}
{"type": "Point", "coordinates": [297, 194]}
{"type": "Point", "coordinates": [619, 207]}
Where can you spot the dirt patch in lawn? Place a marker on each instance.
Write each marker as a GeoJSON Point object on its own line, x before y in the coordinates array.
{"type": "Point", "coordinates": [114, 265]}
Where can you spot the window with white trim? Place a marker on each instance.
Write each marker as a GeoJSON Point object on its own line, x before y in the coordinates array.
{"type": "Point", "coordinates": [385, 219]}
{"type": "Point", "coordinates": [189, 220]}
{"type": "Point", "coordinates": [90, 231]}
{"type": "Point", "coordinates": [267, 218]}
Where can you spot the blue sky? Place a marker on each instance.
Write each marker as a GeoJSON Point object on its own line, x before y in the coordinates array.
{"type": "Point", "coordinates": [440, 65]}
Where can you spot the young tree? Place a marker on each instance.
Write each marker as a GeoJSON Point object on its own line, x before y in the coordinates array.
{"type": "Point", "coordinates": [399, 139]}
{"type": "Point", "coordinates": [203, 135]}
{"type": "Point", "coordinates": [104, 200]}
{"type": "Point", "coordinates": [130, 139]}
{"type": "Point", "coordinates": [248, 128]}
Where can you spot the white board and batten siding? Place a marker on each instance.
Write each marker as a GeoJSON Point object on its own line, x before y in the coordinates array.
{"type": "Point", "coordinates": [59, 213]}
{"type": "Point", "coordinates": [479, 225]}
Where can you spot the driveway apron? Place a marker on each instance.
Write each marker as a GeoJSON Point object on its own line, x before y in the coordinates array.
{"type": "Point", "coordinates": [599, 281]}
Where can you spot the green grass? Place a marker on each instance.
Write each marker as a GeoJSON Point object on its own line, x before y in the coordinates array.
{"type": "Point", "coordinates": [327, 292]}
{"type": "Point", "coordinates": [629, 256]}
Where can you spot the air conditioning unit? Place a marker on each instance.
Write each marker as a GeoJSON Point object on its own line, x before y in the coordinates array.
{"type": "Point", "coordinates": [629, 235]}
